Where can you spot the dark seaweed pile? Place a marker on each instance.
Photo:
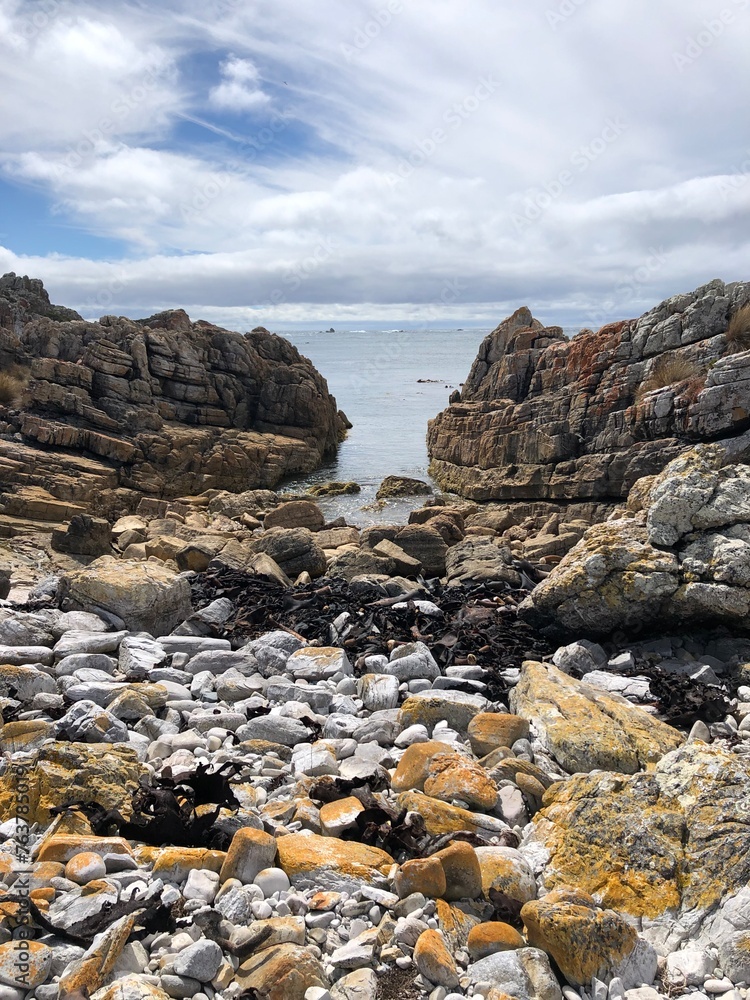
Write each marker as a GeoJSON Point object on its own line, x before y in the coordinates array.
{"type": "Point", "coordinates": [476, 625]}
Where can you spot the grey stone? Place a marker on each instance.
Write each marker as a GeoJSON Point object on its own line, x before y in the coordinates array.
{"type": "Point", "coordinates": [88, 642]}
{"type": "Point", "coordinates": [87, 722]}
{"type": "Point", "coordinates": [18, 656]}
{"type": "Point", "coordinates": [580, 657]}
{"type": "Point", "coordinates": [199, 961]}
{"type": "Point", "coordinates": [412, 661]}
{"type": "Point", "coordinates": [276, 729]}
{"type": "Point", "coordinates": [524, 974]}
{"type": "Point", "coordinates": [378, 691]}
{"type": "Point", "coordinates": [85, 661]}
{"type": "Point", "coordinates": [139, 655]}
{"type": "Point", "coordinates": [217, 661]}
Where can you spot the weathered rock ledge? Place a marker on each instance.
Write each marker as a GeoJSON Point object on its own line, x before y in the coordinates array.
{"type": "Point", "coordinates": [541, 417]}
{"type": "Point", "coordinates": [161, 406]}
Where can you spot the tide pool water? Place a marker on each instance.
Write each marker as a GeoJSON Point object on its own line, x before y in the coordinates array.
{"type": "Point", "coordinates": [389, 384]}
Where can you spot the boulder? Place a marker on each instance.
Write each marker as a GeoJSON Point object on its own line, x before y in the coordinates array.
{"type": "Point", "coordinates": [361, 562]}
{"type": "Point", "coordinates": [686, 561]}
{"type": "Point", "coordinates": [294, 550]}
{"type": "Point", "coordinates": [5, 576]}
{"type": "Point", "coordinates": [59, 773]}
{"type": "Point", "coordinates": [434, 961]}
{"type": "Point", "coordinates": [403, 564]}
{"type": "Point", "coordinates": [506, 870]}
{"type": "Point", "coordinates": [587, 941]}
{"type": "Point", "coordinates": [295, 514]}
{"type": "Point", "coordinates": [477, 559]}
{"type": "Point", "coordinates": [146, 596]}
{"type": "Point", "coordinates": [585, 728]}
{"type": "Point", "coordinates": [85, 536]}
{"type": "Point", "coordinates": [234, 555]}
{"type": "Point", "coordinates": [312, 861]}
{"type": "Point", "coordinates": [401, 486]}
{"type": "Point", "coordinates": [666, 845]}
{"type": "Point", "coordinates": [454, 707]}
{"type": "Point", "coordinates": [524, 974]}
{"type": "Point", "coordinates": [282, 972]}
{"type": "Point", "coordinates": [490, 730]}
{"type": "Point", "coordinates": [426, 545]}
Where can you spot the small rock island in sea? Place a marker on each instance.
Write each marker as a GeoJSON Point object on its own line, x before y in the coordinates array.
{"type": "Point", "coordinates": [500, 751]}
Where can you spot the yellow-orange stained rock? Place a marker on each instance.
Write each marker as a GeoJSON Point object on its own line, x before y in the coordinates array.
{"type": "Point", "coordinates": [434, 961]}
{"type": "Point", "coordinates": [463, 876]}
{"type": "Point", "coordinates": [62, 847]}
{"type": "Point", "coordinates": [490, 730]}
{"type": "Point", "coordinates": [176, 863]}
{"type": "Point", "coordinates": [583, 940]}
{"type": "Point", "coordinates": [284, 972]}
{"type": "Point", "coordinates": [326, 863]}
{"type": "Point", "coordinates": [506, 870]}
{"type": "Point", "coordinates": [249, 853]}
{"type": "Point", "coordinates": [414, 767]}
{"type": "Point", "coordinates": [493, 936]}
{"type": "Point", "coordinates": [425, 875]}
{"type": "Point", "coordinates": [25, 964]}
{"type": "Point", "coordinates": [453, 776]}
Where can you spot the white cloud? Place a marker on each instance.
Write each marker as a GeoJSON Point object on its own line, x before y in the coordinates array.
{"type": "Point", "coordinates": [238, 90]}
{"type": "Point", "coordinates": [426, 152]}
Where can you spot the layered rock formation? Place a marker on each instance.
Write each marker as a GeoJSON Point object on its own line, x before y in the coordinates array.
{"type": "Point", "coordinates": [680, 555]}
{"type": "Point", "coordinates": [161, 406]}
{"type": "Point", "coordinates": [542, 417]}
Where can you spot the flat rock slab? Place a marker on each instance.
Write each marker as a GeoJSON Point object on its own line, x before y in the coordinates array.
{"type": "Point", "coordinates": [586, 728]}
{"type": "Point", "coordinates": [312, 861]}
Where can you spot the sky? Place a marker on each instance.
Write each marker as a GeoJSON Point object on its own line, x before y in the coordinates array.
{"type": "Point", "coordinates": [427, 162]}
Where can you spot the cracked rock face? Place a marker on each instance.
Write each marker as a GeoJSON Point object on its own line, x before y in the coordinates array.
{"type": "Point", "coordinates": [636, 843]}
{"type": "Point", "coordinates": [162, 406]}
{"type": "Point", "coordinates": [684, 558]}
{"type": "Point", "coordinates": [542, 417]}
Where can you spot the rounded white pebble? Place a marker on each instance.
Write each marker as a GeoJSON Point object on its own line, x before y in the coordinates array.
{"type": "Point", "coordinates": [261, 909]}
{"type": "Point", "coordinates": [271, 880]}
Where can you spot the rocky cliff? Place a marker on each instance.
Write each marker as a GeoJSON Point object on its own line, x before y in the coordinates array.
{"type": "Point", "coordinates": [541, 417]}
{"type": "Point", "coordinates": [161, 406]}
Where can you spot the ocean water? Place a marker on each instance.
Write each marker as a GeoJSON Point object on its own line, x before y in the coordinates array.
{"type": "Point", "coordinates": [389, 383]}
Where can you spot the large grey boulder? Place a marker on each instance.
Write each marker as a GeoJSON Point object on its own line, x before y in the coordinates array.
{"type": "Point", "coordinates": [683, 558]}
{"type": "Point", "coordinates": [478, 559]}
{"type": "Point", "coordinates": [148, 597]}
{"type": "Point", "coordinates": [293, 549]}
